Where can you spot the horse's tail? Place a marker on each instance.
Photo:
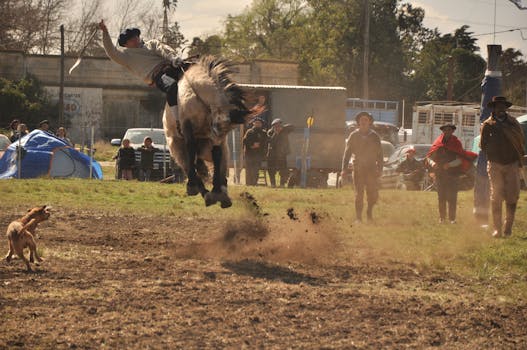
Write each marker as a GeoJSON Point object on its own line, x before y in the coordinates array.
{"type": "Point", "coordinates": [220, 71]}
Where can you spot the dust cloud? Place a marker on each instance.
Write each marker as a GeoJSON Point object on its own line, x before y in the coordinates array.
{"type": "Point", "coordinates": [304, 237]}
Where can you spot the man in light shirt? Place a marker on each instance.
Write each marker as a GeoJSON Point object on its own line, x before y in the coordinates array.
{"type": "Point", "coordinates": [152, 61]}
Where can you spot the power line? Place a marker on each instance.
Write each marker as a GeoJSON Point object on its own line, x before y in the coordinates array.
{"type": "Point", "coordinates": [504, 31]}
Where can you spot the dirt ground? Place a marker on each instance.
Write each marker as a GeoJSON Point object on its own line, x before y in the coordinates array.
{"type": "Point", "coordinates": [140, 282]}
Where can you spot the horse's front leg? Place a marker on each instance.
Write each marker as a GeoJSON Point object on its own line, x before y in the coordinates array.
{"type": "Point", "coordinates": [219, 180]}
{"type": "Point", "coordinates": [194, 184]}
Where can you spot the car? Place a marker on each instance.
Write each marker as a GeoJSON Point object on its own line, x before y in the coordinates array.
{"type": "Point", "coordinates": [387, 131]}
{"type": "Point", "coordinates": [4, 143]}
{"type": "Point", "coordinates": [163, 164]}
{"type": "Point", "coordinates": [390, 177]}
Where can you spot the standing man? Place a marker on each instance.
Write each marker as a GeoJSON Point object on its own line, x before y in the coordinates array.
{"type": "Point", "coordinates": [502, 141]}
{"type": "Point", "coordinates": [278, 150]}
{"type": "Point", "coordinates": [254, 146]}
{"type": "Point", "coordinates": [448, 160]}
{"type": "Point", "coordinates": [365, 145]}
{"type": "Point", "coordinates": [146, 164]}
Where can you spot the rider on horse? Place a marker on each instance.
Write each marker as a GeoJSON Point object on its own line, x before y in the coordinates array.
{"type": "Point", "coordinates": [154, 62]}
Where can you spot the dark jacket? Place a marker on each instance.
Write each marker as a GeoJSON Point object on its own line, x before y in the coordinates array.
{"type": "Point", "coordinates": [502, 140]}
{"type": "Point", "coordinates": [126, 157]}
{"type": "Point", "coordinates": [147, 157]}
{"type": "Point", "coordinates": [409, 166]}
{"type": "Point", "coordinates": [279, 143]}
{"type": "Point", "coordinates": [252, 136]}
{"type": "Point", "coordinates": [367, 150]}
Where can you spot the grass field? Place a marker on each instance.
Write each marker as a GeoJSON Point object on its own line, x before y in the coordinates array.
{"type": "Point", "coordinates": [405, 229]}
{"type": "Point", "coordinates": [151, 238]}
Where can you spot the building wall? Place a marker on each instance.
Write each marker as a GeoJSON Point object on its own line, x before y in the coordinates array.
{"type": "Point", "coordinates": [126, 101]}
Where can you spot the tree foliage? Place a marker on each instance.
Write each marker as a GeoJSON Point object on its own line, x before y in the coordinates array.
{"type": "Point", "coordinates": [25, 100]}
{"type": "Point", "coordinates": [514, 69]}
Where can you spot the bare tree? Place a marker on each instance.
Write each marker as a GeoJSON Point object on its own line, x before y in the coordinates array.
{"type": "Point", "coordinates": [80, 29]}
{"type": "Point", "coordinates": [51, 15]}
{"type": "Point", "coordinates": [19, 25]}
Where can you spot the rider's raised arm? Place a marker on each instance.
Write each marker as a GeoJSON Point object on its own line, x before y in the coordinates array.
{"type": "Point", "coordinates": [111, 51]}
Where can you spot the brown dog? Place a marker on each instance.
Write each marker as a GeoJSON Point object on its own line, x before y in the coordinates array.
{"type": "Point", "coordinates": [20, 234]}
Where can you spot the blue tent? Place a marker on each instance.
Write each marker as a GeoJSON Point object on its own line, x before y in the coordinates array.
{"type": "Point", "coordinates": [44, 154]}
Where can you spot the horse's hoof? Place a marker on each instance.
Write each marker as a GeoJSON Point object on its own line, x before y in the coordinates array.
{"type": "Point", "coordinates": [193, 190]}
{"type": "Point", "coordinates": [226, 203]}
{"type": "Point", "coordinates": [211, 198]}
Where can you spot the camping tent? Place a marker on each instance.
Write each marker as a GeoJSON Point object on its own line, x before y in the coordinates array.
{"type": "Point", "coordinates": [44, 154]}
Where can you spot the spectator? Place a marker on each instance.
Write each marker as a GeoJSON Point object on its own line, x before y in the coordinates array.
{"type": "Point", "coordinates": [448, 160]}
{"type": "Point", "coordinates": [61, 134]}
{"type": "Point", "coordinates": [278, 138]}
{"type": "Point", "coordinates": [411, 169]}
{"type": "Point", "coordinates": [260, 110]}
{"type": "Point", "coordinates": [125, 160]}
{"type": "Point", "coordinates": [146, 164]}
{"type": "Point", "coordinates": [13, 126]}
{"type": "Point", "coordinates": [365, 145]}
{"type": "Point", "coordinates": [502, 141]}
{"type": "Point", "coordinates": [255, 146]}
{"type": "Point", "coordinates": [44, 126]}
{"type": "Point", "coordinates": [21, 131]}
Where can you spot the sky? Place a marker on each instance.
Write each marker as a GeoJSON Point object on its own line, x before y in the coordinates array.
{"type": "Point", "coordinates": [203, 17]}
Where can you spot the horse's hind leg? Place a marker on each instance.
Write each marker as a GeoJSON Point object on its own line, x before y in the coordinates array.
{"type": "Point", "coordinates": [219, 180]}
{"type": "Point", "coordinates": [194, 184]}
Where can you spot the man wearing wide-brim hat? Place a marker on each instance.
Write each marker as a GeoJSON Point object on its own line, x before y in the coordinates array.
{"type": "Point", "coordinates": [278, 138]}
{"type": "Point", "coordinates": [365, 145]}
{"type": "Point", "coordinates": [255, 149]}
{"type": "Point", "coordinates": [448, 161]}
{"type": "Point", "coordinates": [502, 142]}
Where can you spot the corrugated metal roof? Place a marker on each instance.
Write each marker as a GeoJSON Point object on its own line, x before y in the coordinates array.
{"type": "Point", "coordinates": [297, 87]}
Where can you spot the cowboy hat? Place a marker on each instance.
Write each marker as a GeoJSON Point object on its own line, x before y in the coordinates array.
{"type": "Point", "coordinates": [363, 114]}
{"type": "Point", "coordinates": [448, 125]}
{"type": "Point", "coordinates": [128, 34]}
{"type": "Point", "coordinates": [499, 99]}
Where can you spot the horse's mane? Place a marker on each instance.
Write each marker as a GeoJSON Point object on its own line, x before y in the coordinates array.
{"type": "Point", "coordinates": [220, 71]}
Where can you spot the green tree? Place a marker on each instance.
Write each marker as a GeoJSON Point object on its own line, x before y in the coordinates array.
{"type": "Point", "coordinates": [212, 45]}
{"type": "Point", "coordinates": [445, 53]}
{"type": "Point", "coordinates": [266, 29]}
{"type": "Point", "coordinates": [26, 100]}
{"type": "Point", "coordinates": [514, 69]}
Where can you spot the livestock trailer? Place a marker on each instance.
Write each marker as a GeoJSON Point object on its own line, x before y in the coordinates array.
{"type": "Point", "coordinates": [429, 116]}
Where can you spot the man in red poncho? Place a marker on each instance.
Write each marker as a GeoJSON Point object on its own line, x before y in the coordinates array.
{"type": "Point", "coordinates": [448, 160]}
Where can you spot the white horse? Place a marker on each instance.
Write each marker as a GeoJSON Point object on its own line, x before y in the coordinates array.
{"type": "Point", "coordinates": [210, 104]}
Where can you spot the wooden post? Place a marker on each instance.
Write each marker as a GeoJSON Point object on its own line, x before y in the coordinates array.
{"type": "Point", "coordinates": [61, 88]}
{"type": "Point", "coordinates": [366, 58]}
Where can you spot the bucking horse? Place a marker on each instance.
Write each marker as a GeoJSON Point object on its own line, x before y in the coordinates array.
{"type": "Point", "coordinates": [210, 105]}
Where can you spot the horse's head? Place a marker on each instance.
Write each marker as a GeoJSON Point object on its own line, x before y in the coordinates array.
{"type": "Point", "coordinates": [225, 119]}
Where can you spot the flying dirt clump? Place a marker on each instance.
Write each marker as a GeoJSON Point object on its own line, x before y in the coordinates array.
{"type": "Point", "coordinates": [291, 213]}
{"type": "Point", "coordinates": [315, 218]}
{"type": "Point", "coordinates": [252, 204]}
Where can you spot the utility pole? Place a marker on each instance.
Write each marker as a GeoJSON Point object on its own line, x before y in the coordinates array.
{"type": "Point", "coordinates": [450, 83]}
{"type": "Point", "coordinates": [61, 87]}
{"type": "Point", "coordinates": [365, 83]}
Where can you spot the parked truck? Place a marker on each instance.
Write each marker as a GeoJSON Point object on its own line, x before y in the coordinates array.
{"type": "Point", "coordinates": [317, 149]}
